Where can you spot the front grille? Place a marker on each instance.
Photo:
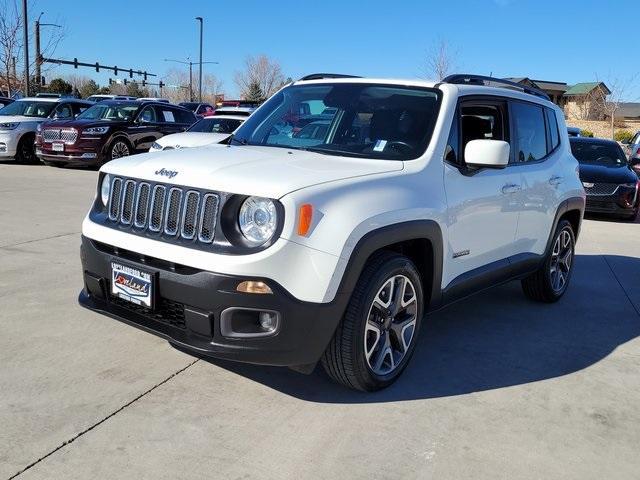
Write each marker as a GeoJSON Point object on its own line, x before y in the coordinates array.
{"type": "Point", "coordinates": [165, 210]}
{"type": "Point", "coordinates": [166, 311]}
{"type": "Point", "coordinates": [66, 135]}
{"type": "Point", "coordinates": [601, 189]}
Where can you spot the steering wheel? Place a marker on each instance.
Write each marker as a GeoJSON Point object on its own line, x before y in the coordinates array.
{"type": "Point", "coordinates": [400, 146]}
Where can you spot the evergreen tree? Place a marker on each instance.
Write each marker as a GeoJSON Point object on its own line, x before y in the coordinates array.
{"type": "Point", "coordinates": [254, 93]}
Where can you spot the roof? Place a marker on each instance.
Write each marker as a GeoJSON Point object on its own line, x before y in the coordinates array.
{"type": "Point", "coordinates": [585, 88]}
{"type": "Point", "coordinates": [228, 117]}
{"type": "Point", "coordinates": [540, 84]}
{"type": "Point", "coordinates": [629, 110]}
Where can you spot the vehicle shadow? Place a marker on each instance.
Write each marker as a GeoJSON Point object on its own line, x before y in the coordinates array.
{"type": "Point", "coordinates": [493, 340]}
{"type": "Point", "coordinates": [601, 217]}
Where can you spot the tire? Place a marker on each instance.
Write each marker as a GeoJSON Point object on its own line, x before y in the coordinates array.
{"type": "Point", "coordinates": [26, 151]}
{"type": "Point", "coordinates": [373, 343]}
{"type": "Point", "coordinates": [119, 148]}
{"type": "Point", "coordinates": [543, 285]}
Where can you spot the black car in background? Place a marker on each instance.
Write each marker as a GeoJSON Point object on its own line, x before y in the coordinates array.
{"type": "Point", "coordinates": [609, 181]}
{"type": "Point", "coordinates": [109, 130]}
{"type": "Point", "coordinates": [4, 101]}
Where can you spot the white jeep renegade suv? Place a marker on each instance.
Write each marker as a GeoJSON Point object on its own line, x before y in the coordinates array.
{"type": "Point", "coordinates": [294, 244]}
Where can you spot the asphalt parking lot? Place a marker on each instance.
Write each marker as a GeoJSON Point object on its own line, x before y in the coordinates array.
{"type": "Point", "coordinates": [498, 388]}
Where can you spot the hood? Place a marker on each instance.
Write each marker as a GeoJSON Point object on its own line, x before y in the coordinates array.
{"type": "Point", "coordinates": [191, 139]}
{"type": "Point", "coordinates": [265, 171]}
{"type": "Point", "coordinates": [594, 173]}
{"type": "Point", "coordinates": [20, 119]}
{"type": "Point", "coordinates": [80, 124]}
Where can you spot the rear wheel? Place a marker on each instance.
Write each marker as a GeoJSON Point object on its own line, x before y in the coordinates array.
{"type": "Point", "coordinates": [549, 283]}
{"type": "Point", "coordinates": [26, 152]}
{"type": "Point", "coordinates": [377, 336]}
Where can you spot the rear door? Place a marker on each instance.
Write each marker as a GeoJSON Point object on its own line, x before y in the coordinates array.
{"type": "Point", "coordinates": [482, 203]}
{"type": "Point", "coordinates": [145, 129]}
{"type": "Point", "coordinates": [538, 159]}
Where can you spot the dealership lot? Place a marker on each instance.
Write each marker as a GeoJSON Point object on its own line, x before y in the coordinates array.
{"type": "Point", "coordinates": [499, 387]}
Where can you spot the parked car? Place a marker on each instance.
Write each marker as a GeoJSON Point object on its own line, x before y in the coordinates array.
{"type": "Point", "coordinates": [4, 101]}
{"type": "Point", "coordinates": [574, 131]}
{"type": "Point", "coordinates": [237, 111]}
{"type": "Point", "coordinates": [634, 153]}
{"type": "Point", "coordinates": [102, 97]}
{"type": "Point", "coordinates": [289, 253]}
{"type": "Point", "coordinates": [204, 132]}
{"type": "Point", "coordinates": [609, 182]}
{"type": "Point", "coordinates": [108, 130]}
{"type": "Point", "coordinates": [19, 122]}
{"type": "Point", "coordinates": [200, 109]}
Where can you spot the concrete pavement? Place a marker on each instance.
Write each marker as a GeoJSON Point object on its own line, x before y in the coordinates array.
{"type": "Point", "coordinates": [499, 387]}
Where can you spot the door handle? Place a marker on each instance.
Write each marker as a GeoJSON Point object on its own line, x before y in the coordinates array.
{"type": "Point", "coordinates": [555, 180]}
{"type": "Point", "coordinates": [511, 188]}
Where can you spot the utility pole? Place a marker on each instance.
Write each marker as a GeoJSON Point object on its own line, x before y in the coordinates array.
{"type": "Point", "coordinates": [25, 28]}
{"type": "Point", "coordinates": [200, 81]}
{"type": "Point", "coordinates": [190, 63]}
{"type": "Point", "coordinates": [190, 81]}
{"type": "Point", "coordinates": [38, 52]}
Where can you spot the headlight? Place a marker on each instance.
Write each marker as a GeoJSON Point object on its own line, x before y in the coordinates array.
{"type": "Point", "coordinates": [258, 220]}
{"type": "Point", "coordinates": [96, 130]}
{"type": "Point", "coordinates": [156, 146]}
{"type": "Point", "coordinates": [9, 125]}
{"type": "Point", "coordinates": [630, 185]}
{"type": "Point", "coordinates": [105, 189]}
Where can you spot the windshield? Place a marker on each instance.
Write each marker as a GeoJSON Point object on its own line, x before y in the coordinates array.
{"type": "Point", "coordinates": [105, 111]}
{"type": "Point", "coordinates": [600, 153]}
{"type": "Point", "coordinates": [28, 108]}
{"type": "Point", "coordinates": [215, 125]}
{"type": "Point", "coordinates": [354, 119]}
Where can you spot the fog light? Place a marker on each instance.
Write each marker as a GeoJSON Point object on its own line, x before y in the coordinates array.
{"type": "Point", "coordinates": [3, 147]}
{"type": "Point", "coordinates": [268, 321]}
{"type": "Point", "coordinates": [249, 286]}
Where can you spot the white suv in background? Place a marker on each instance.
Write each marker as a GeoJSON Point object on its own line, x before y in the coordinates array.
{"type": "Point", "coordinates": [20, 120]}
{"type": "Point", "coordinates": [206, 131]}
{"type": "Point", "coordinates": [279, 250]}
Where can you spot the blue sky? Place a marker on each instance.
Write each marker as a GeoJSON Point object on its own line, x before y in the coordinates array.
{"type": "Point", "coordinates": [570, 41]}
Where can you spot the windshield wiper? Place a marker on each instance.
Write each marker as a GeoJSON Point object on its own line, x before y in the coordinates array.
{"type": "Point", "coordinates": [326, 151]}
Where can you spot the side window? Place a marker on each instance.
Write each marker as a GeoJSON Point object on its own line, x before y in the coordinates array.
{"type": "Point", "coordinates": [166, 115]}
{"type": "Point", "coordinates": [201, 109]}
{"type": "Point", "coordinates": [63, 111]}
{"type": "Point", "coordinates": [482, 121]}
{"type": "Point", "coordinates": [451, 153]}
{"type": "Point", "coordinates": [530, 133]}
{"type": "Point", "coordinates": [552, 125]}
{"type": "Point", "coordinates": [148, 115]}
{"type": "Point", "coordinates": [183, 116]}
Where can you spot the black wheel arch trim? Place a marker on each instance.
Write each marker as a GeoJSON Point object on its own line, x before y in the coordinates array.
{"type": "Point", "coordinates": [389, 235]}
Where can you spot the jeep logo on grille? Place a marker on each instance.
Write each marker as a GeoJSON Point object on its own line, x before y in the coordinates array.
{"type": "Point", "coordinates": [166, 173]}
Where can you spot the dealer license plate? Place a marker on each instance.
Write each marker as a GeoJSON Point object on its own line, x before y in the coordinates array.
{"type": "Point", "coordinates": [132, 284]}
{"type": "Point", "coordinates": [57, 147]}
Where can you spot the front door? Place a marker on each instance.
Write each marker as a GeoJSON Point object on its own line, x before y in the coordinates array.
{"type": "Point", "coordinates": [483, 204]}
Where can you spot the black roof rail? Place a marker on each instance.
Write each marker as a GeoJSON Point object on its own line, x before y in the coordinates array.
{"type": "Point", "coordinates": [320, 76]}
{"type": "Point", "coordinates": [466, 79]}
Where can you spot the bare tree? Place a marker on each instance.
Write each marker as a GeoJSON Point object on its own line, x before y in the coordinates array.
{"type": "Point", "coordinates": [610, 104]}
{"type": "Point", "coordinates": [10, 42]}
{"type": "Point", "coordinates": [440, 61]}
{"type": "Point", "coordinates": [261, 70]}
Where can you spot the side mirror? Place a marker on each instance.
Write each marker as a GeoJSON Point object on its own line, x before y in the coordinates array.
{"type": "Point", "coordinates": [487, 153]}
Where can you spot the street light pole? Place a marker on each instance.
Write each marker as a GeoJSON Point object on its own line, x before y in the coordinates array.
{"type": "Point", "coordinates": [200, 80]}
{"type": "Point", "coordinates": [190, 81]}
{"type": "Point", "coordinates": [25, 27]}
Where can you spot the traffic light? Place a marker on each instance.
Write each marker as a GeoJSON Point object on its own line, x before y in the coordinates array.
{"type": "Point", "coordinates": [125, 81]}
{"type": "Point", "coordinates": [97, 67]}
{"type": "Point", "coordinates": [110, 81]}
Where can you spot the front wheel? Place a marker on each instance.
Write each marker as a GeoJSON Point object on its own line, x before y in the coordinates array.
{"type": "Point", "coordinates": [549, 283]}
{"type": "Point", "coordinates": [26, 152]}
{"type": "Point", "coordinates": [377, 336]}
{"type": "Point", "coordinates": [118, 149]}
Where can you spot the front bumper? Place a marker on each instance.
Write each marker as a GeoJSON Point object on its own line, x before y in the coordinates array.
{"type": "Point", "coordinates": [89, 152]}
{"type": "Point", "coordinates": [8, 144]}
{"type": "Point", "coordinates": [190, 303]}
{"type": "Point", "coordinates": [609, 204]}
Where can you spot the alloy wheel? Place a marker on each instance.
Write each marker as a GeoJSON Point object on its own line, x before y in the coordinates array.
{"type": "Point", "coordinates": [120, 149]}
{"type": "Point", "coordinates": [391, 324]}
{"type": "Point", "coordinates": [561, 259]}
